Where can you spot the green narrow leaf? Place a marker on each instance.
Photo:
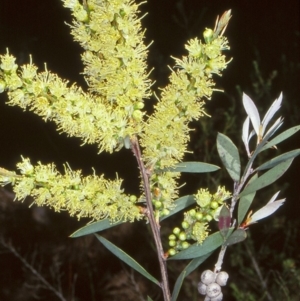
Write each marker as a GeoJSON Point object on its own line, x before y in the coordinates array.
{"type": "Point", "coordinates": [275, 161]}
{"type": "Point", "coordinates": [268, 177]}
{"type": "Point", "coordinates": [180, 204]}
{"type": "Point", "coordinates": [244, 205]}
{"type": "Point", "coordinates": [149, 299]}
{"type": "Point", "coordinates": [237, 236]}
{"type": "Point", "coordinates": [94, 227]}
{"type": "Point", "coordinates": [229, 155]}
{"type": "Point", "coordinates": [281, 137]}
{"type": "Point", "coordinates": [126, 258]}
{"type": "Point", "coordinates": [245, 202]}
{"type": "Point", "coordinates": [187, 270]}
{"type": "Point", "coordinates": [211, 243]}
{"type": "Point", "coordinates": [194, 167]}
{"type": "Point", "coordinates": [178, 285]}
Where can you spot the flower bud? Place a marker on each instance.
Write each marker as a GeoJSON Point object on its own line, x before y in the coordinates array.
{"type": "Point", "coordinates": [182, 236]}
{"type": "Point", "coordinates": [208, 35]}
{"type": "Point", "coordinates": [199, 216]}
{"type": "Point", "coordinates": [208, 217]}
{"type": "Point", "coordinates": [137, 115]}
{"type": "Point", "coordinates": [172, 243]}
{"type": "Point", "coordinates": [192, 212]}
{"type": "Point", "coordinates": [165, 212]}
{"type": "Point", "coordinates": [139, 105]}
{"type": "Point", "coordinates": [172, 237]}
{"type": "Point", "coordinates": [185, 245]}
{"type": "Point", "coordinates": [176, 231]}
{"type": "Point", "coordinates": [214, 205]}
{"type": "Point", "coordinates": [132, 198]}
{"type": "Point", "coordinates": [172, 252]}
{"type": "Point", "coordinates": [158, 204]}
{"type": "Point", "coordinates": [185, 225]}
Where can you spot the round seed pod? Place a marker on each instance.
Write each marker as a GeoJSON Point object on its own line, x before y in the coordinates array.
{"type": "Point", "coordinates": [207, 277]}
{"type": "Point", "coordinates": [213, 290]}
{"type": "Point", "coordinates": [222, 278]}
{"type": "Point", "coordinates": [218, 298]}
{"type": "Point", "coordinates": [202, 288]}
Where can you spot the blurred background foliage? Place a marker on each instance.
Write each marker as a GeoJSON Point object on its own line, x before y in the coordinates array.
{"type": "Point", "coordinates": [264, 39]}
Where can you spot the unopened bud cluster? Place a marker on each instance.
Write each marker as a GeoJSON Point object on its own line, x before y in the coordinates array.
{"type": "Point", "coordinates": [164, 191]}
{"type": "Point", "coordinates": [211, 204]}
{"type": "Point", "coordinates": [210, 285]}
{"type": "Point", "coordinates": [194, 228]}
{"type": "Point", "coordinates": [195, 222]}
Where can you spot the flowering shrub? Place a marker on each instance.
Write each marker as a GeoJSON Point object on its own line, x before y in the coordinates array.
{"type": "Point", "coordinates": [111, 114]}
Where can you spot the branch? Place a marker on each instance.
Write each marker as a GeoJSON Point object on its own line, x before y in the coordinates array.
{"type": "Point", "coordinates": [155, 227]}
{"type": "Point", "coordinates": [33, 270]}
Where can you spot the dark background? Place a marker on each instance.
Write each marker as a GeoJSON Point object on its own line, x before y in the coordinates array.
{"type": "Point", "coordinates": [262, 31]}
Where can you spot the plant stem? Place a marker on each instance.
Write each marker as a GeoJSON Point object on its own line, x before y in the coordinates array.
{"type": "Point", "coordinates": [155, 227]}
{"type": "Point", "coordinates": [237, 187]}
{"type": "Point", "coordinates": [34, 271]}
{"type": "Point", "coordinates": [258, 272]}
{"type": "Point", "coordinates": [218, 265]}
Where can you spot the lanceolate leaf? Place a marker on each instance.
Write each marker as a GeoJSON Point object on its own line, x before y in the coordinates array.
{"type": "Point", "coordinates": [245, 202]}
{"type": "Point", "coordinates": [178, 285]}
{"type": "Point", "coordinates": [277, 124]}
{"type": "Point", "coordinates": [271, 112]}
{"type": "Point", "coordinates": [244, 205]}
{"type": "Point", "coordinates": [149, 299]}
{"type": "Point", "coordinates": [252, 112]}
{"type": "Point", "coordinates": [275, 161]}
{"type": "Point", "coordinates": [266, 210]}
{"type": "Point", "coordinates": [281, 137]}
{"type": "Point", "coordinates": [229, 155]}
{"type": "Point", "coordinates": [94, 227]}
{"type": "Point", "coordinates": [237, 236]}
{"type": "Point", "coordinates": [211, 243]}
{"type": "Point", "coordinates": [188, 269]}
{"type": "Point", "coordinates": [245, 135]}
{"type": "Point", "coordinates": [261, 145]}
{"type": "Point", "coordinates": [126, 258]}
{"type": "Point", "coordinates": [193, 167]}
{"type": "Point", "coordinates": [180, 204]}
{"type": "Point", "coordinates": [267, 178]}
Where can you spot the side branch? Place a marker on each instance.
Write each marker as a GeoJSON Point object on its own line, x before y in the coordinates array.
{"type": "Point", "coordinates": [155, 227]}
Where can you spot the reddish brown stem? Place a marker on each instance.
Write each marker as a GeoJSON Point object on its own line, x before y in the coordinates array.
{"type": "Point", "coordinates": [155, 227]}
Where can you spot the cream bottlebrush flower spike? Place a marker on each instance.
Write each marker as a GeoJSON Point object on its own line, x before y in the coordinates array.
{"type": "Point", "coordinates": [115, 69]}
{"type": "Point", "coordinates": [91, 196]}
{"type": "Point", "coordinates": [166, 132]}
{"type": "Point", "coordinates": [115, 60]}
{"type": "Point", "coordinates": [182, 100]}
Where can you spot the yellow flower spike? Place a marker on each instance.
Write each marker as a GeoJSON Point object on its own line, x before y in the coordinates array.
{"type": "Point", "coordinates": [110, 33]}
{"type": "Point", "coordinates": [181, 101]}
{"type": "Point", "coordinates": [91, 196]}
